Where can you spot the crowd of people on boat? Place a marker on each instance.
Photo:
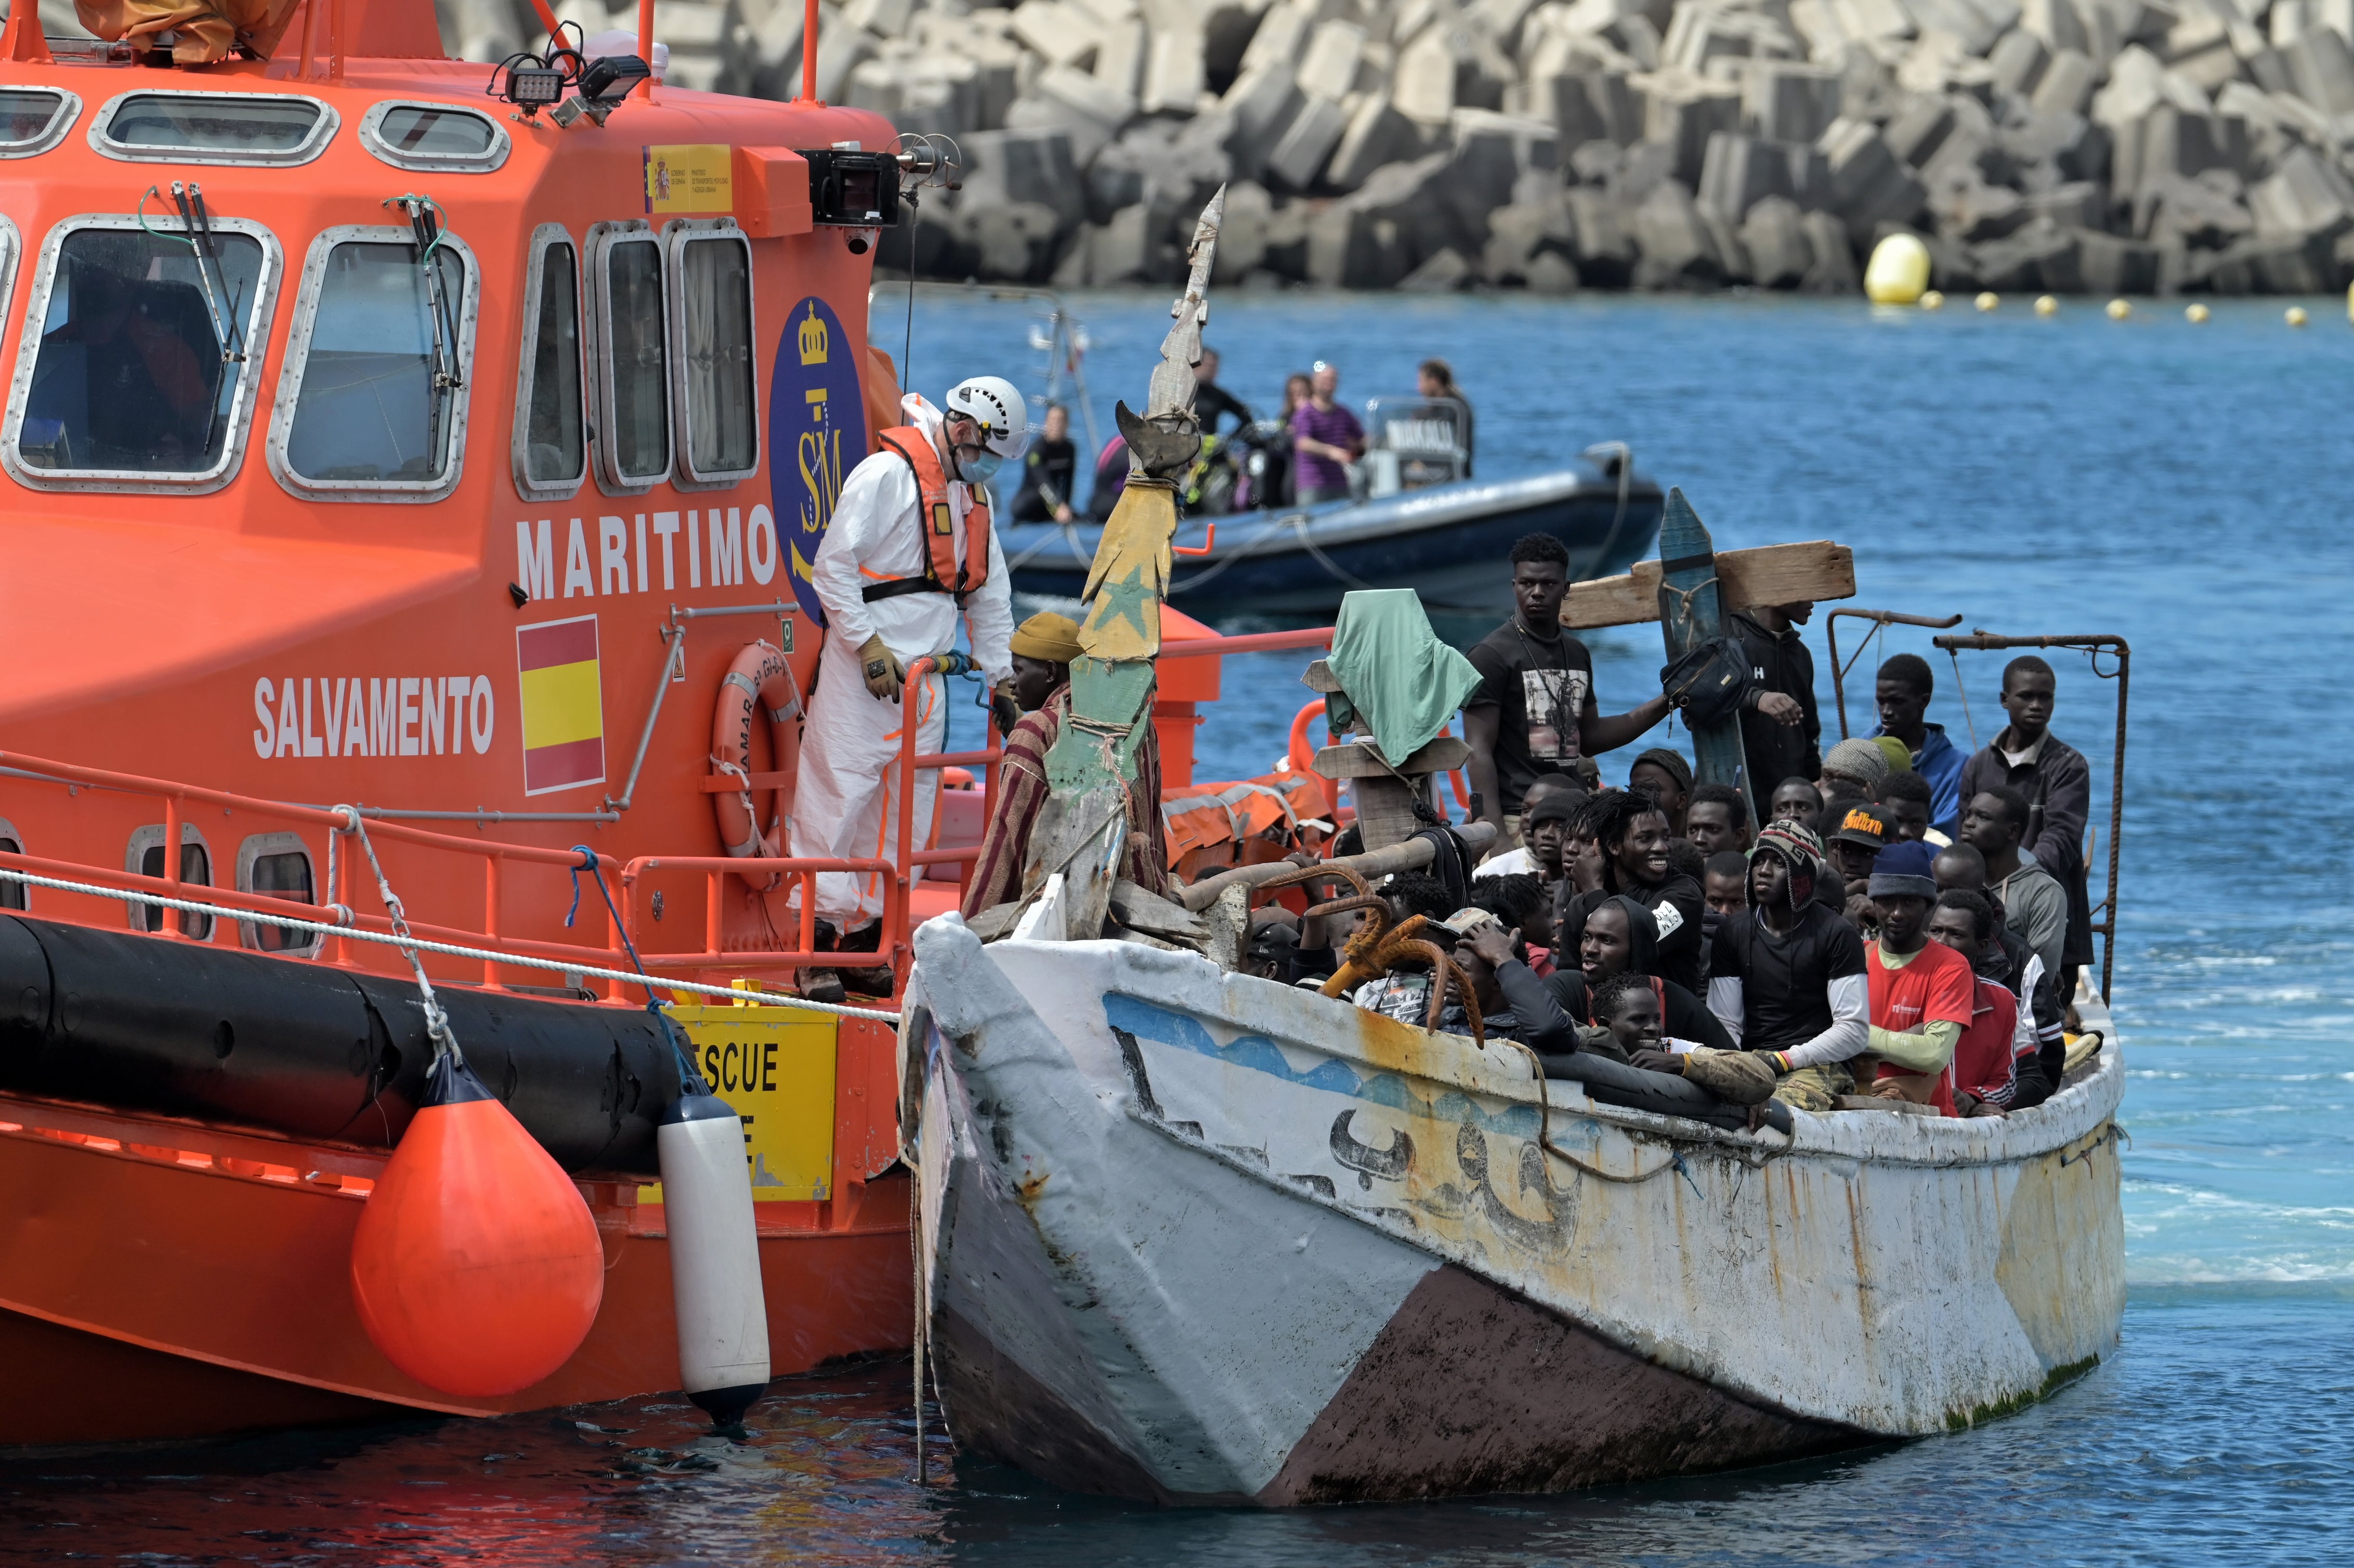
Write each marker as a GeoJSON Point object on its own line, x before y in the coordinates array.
{"type": "Point", "coordinates": [1309, 450]}
{"type": "Point", "coordinates": [1894, 917]}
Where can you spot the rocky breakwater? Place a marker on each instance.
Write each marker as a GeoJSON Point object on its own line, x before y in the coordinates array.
{"type": "Point", "coordinates": [2111, 146]}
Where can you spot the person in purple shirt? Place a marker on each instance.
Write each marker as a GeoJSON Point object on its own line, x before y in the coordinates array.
{"type": "Point", "coordinates": [1326, 439]}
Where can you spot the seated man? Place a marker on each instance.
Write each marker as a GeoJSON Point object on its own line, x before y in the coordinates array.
{"type": "Point", "coordinates": [1787, 978]}
{"type": "Point", "coordinates": [1994, 823]}
{"type": "Point", "coordinates": [1717, 820]}
{"type": "Point", "coordinates": [1858, 834]}
{"type": "Point", "coordinates": [1044, 647]}
{"type": "Point", "coordinates": [1853, 770]}
{"type": "Point", "coordinates": [2010, 962]}
{"type": "Point", "coordinates": [1985, 1058]}
{"type": "Point", "coordinates": [1725, 893]}
{"type": "Point", "coordinates": [1903, 799]}
{"type": "Point", "coordinates": [1521, 905]}
{"type": "Point", "coordinates": [1514, 1002]}
{"type": "Point", "coordinates": [1798, 800]}
{"type": "Point", "coordinates": [1902, 694]}
{"type": "Point", "coordinates": [1621, 936]}
{"type": "Point", "coordinates": [1668, 779]}
{"type": "Point", "coordinates": [1632, 830]}
{"type": "Point", "coordinates": [1544, 786]}
{"type": "Point", "coordinates": [1923, 993]}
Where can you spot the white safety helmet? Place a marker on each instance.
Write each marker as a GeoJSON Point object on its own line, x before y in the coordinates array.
{"type": "Point", "coordinates": [991, 402]}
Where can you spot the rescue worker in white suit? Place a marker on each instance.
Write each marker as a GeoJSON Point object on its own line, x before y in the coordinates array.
{"type": "Point", "coordinates": [909, 546]}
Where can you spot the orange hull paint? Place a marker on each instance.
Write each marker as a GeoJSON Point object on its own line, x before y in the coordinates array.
{"type": "Point", "coordinates": [154, 1297]}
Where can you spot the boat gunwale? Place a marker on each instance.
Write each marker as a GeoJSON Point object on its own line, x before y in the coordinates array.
{"type": "Point", "coordinates": [2078, 1110]}
{"type": "Point", "coordinates": [1406, 514]}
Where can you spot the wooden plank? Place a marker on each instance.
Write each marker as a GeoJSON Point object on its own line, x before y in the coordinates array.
{"type": "Point", "coordinates": [1772, 573]}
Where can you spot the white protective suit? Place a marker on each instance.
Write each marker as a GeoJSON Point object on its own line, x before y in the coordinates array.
{"type": "Point", "coordinates": [845, 799]}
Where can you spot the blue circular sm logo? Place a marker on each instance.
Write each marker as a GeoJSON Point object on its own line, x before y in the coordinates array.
{"type": "Point", "coordinates": [817, 434]}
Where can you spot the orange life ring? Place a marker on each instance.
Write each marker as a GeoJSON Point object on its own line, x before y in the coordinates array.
{"type": "Point", "coordinates": [759, 677]}
{"type": "Point", "coordinates": [1302, 756]}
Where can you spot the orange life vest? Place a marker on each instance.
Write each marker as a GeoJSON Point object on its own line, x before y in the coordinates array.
{"type": "Point", "coordinates": [943, 572]}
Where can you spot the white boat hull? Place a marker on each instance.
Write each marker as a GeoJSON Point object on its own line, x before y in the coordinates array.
{"type": "Point", "coordinates": [1202, 1238]}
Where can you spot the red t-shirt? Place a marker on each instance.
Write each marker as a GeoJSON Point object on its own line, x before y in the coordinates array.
{"type": "Point", "coordinates": [1982, 1062]}
{"type": "Point", "coordinates": [1935, 983]}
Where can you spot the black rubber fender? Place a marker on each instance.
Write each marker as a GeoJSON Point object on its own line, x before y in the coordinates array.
{"type": "Point", "coordinates": [192, 1029]}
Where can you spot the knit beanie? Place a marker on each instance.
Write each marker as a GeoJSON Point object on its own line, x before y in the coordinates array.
{"type": "Point", "coordinates": [1902, 870]}
{"type": "Point", "coordinates": [1046, 636]}
{"type": "Point", "coordinates": [1671, 763]}
{"type": "Point", "coordinates": [1856, 758]}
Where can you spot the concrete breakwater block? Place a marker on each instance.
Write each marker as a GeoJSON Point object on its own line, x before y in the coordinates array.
{"type": "Point", "coordinates": [2114, 146]}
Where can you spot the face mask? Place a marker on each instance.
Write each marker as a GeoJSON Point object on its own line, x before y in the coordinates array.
{"type": "Point", "coordinates": [980, 470]}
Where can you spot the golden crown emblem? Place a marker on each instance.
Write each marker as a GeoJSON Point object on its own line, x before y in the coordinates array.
{"type": "Point", "coordinates": [813, 339]}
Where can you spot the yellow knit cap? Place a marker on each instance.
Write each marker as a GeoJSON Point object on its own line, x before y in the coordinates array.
{"type": "Point", "coordinates": [1052, 638]}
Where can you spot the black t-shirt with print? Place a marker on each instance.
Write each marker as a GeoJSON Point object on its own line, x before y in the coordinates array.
{"type": "Point", "coordinates": [1786, 975]}
{"type": "Point", "coordinates": [1539, 690]}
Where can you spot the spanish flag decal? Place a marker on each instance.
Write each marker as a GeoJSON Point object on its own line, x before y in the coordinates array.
{"type": "Point", "coordinates": [563, 705]}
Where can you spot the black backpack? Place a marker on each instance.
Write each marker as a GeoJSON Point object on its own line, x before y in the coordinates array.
{"type": "Point", "coordinates": [1710, 682]}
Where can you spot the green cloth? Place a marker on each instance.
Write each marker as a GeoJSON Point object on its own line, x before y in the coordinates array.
{"type": "Point", "coordinates": [1403, 681]}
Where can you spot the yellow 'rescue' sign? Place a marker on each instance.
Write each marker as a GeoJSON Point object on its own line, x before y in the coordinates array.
{"type": "Point", "coordinates": [690, 177]}
{"type": "Point", "coordinates": [775, 1067]}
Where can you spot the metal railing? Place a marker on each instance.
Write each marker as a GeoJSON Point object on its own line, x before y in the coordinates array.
{"type": "Point", "coordinates": [2091, 644]}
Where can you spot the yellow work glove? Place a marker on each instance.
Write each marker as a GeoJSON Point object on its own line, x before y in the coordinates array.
{"type": "Point", "coordinates": [881, 669]}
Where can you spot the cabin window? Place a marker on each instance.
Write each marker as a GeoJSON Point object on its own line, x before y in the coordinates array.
{"type": "Point", "coordinates": [434, 136]}
{"type": "Point", "coordinates": [712, 324]}
{"type": "Point", "coordinates": [633, 359]}
{"type": "Point", "coordinates": [34, 119]}
{"type": "Point", "coordinates": [276, 866]}
{"type": "Point", "coordinates": [372, 403]}
{"type": "Point", "coordinates": [213, 128]}
{"type": "Point", "coordinates": [141, 348]}
{"type": "Point", "coordinates": [550, 449]}
{"type": "Point", "coordinates": [146, 859]}
{"type": "Point", "coordinates": [13, 894]}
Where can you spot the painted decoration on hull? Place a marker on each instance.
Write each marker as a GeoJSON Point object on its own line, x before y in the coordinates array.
{"type": "Point", "coordinates": [563, 705]}
{"type": "Point", "coordinates": [817, 434]}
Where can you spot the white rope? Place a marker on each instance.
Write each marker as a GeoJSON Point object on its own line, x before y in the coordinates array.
{"type": "Point", "coordinates": [449, 949]}
{"type": "Point", "coordinates": [437, 1023]}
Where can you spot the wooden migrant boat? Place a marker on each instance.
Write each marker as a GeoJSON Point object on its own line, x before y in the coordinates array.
{"type": "Point", "coordinates": [1195, 1237]}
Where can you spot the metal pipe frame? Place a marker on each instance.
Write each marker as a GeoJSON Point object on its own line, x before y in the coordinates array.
{"type": "Point", "coordinates": [2092, 643]}
{"type": "Point", "coordinates": [1882, 618]}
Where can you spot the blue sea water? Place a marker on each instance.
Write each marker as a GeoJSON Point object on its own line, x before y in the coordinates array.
{"type": "Point", "coordinates": [2182, 486]}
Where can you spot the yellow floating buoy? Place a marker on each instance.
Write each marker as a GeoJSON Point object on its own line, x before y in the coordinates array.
{"type": "Point", "coordinates": [2045, 305]}
{"type": "Point", "coordinates": [1989, 300]}
{"type": "Point", "coordinates": [1932, 301]}
{"type": "Point", "coordinates": [2296, 316]}
{"type": "Point", "coordinates": [2195, 315]}
{"type": "Point", "coordinates": [2350, 301]}
{"type": "Point", "coordinates": [1898, 272]}
{"type": "Point", "coordinates": [2120, 310]}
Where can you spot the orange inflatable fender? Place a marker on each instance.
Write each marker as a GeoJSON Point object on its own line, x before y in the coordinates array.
{"type": "Point", "coordinates": [759, 679]}
{"type": "Point", "coordinates": [476, 1265]}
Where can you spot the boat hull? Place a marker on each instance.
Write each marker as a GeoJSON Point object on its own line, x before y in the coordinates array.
{"type": "Point", "coordinates": [1199, 1238]}
{"type": "Point", "coordinates": [1448, 543]}
{"type": "Point", "coordinates": [163, 1278]}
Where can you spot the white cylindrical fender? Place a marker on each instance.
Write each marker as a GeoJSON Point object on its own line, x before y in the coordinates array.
{"type": "Point", "coordinates": [715, 1256]}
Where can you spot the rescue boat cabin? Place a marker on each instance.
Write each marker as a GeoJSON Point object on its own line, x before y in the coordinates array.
{"type": "Point", "coordinates": [374, 438]}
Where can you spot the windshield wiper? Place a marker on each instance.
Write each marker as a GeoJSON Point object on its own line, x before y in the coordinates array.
{"type": "Point", "coordinates": [210, 273]}
{"type": "Point", "coordinates": [424, 221]}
